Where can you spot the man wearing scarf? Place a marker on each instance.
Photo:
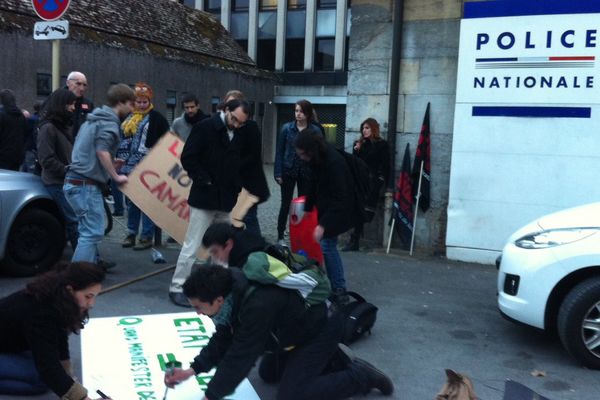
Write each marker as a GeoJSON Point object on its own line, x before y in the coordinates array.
{"type": "Point", "coordinates": [140, 131]}
{"type": "Point", "coordinates": [192, 114]}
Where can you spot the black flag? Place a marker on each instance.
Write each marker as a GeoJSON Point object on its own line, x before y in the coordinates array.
{"type": "Point", "coordinates": [403, 201]}
{"type": "Point", "coordinates": [423, 155]}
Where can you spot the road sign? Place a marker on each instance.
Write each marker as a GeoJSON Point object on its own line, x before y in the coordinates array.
{"type": "Point", "coordinates": [51, 30]}
{"type": "Point", "coordinates": [50, 10]}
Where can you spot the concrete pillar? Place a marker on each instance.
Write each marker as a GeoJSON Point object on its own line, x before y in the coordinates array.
{"type": "Point", "coordinates": [252, 28]}
{"type": "Point", "coordinates": [226, 13]}
{"type": "Point", "coordinates": [280, 38]}
{"type": "Point", "coordinates": [309, 41]}
{"type": "Point", "coordinates": [199, 5]}
{"type": "Point", "coordinates": [341, 18]}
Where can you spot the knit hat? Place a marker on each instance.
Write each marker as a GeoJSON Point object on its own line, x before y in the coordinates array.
{"type": "Point", "coordinates": [142, 89]}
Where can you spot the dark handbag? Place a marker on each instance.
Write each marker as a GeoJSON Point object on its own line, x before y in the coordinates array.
{"type": "Point", "coordinates": [359, 317]}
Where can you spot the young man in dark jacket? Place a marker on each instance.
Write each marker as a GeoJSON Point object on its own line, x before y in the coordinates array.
{"type": "Point", "coordinates": [211, 157]}
{"type": "Point", "coordinates": [12, 132]}
{"type": "Point", "coordinates": [250, 319]}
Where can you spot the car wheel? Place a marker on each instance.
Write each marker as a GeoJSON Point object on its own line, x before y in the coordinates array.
{"type": "Point", "coordinates": [35, 243]}
{"type": "Point", "coordinates": [579, 322]}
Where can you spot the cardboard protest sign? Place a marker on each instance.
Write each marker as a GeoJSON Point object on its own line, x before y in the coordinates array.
{"type": "Point", "coordinates": [159, 186]}
{"type": "Point", "coordinates": [125, 357]}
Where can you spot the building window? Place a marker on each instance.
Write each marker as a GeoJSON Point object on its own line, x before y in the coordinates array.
{"type": "Point", "coordinates": [243, 44]}
{"type": "Point", "coordinates": [265, 54]}
{"type": "Point", "coordinates": [326, 3]}
{"type": "Point", "coordinates": [44, 84]}
{"type": "Point", "coordinates": [212, 6]}
{"type": "Point", "coordinates": [294, 43]}
{"type": "Point", "coordinates": [296, 4]}
{"type": "Point", "coordinates": [239, 5]}
{"type": "Point", "coordinates": [324, 54]}
{"type": "Point", "coordinates": [267, 5]}
{"type": "Point", "coordinates": [239, 25]}
{"type": "Point", "coordinates": [214, 103]}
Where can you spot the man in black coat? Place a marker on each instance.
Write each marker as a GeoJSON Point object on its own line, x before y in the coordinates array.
{"type": "Point", "coordinates": [211, 157]}
{"type": "Point", "coordinates": [77, 83]}
{"type": "Point", "coordinates": [252, 318]}
{"type": "Point", "coordinates": [332, 192]}
{"type": "Point", "coordinates": [12, 132]}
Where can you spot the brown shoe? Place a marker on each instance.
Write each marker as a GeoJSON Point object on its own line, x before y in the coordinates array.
{"type": "Point", "coordinates": [129, 241]}
{"type": "Point", "coordinates": [143, 244]}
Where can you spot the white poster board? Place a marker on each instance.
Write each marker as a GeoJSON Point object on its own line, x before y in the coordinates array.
{"type": "Point", "coordinates": [124, 357]}
{"type": "Point", "coordinates": [526, 124]}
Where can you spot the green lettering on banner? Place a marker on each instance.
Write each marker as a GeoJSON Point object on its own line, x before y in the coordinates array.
{"type": "Point", "coordinates": [203, 381]}
{"type": "Point", "coordinates": [194, 322]}
{"type": "Point", "coordinates": [146, 395]}
{"type": "Point", "coordinates": [130, 321]}
{"type": "Point", "coordinates": [162, 360]}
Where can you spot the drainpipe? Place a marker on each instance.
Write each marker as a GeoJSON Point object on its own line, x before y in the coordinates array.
{"type": "Point", "coordinates": [393, 111]}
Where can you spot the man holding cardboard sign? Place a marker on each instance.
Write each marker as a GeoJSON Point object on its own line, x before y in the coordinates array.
{"type": "Point", "coordinates": [211, 157]}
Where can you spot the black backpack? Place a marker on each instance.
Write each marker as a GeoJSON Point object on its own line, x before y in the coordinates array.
{"type": "Point", "coordinates": [359, 317]}
{"type": "Point", "coordinates": [361, 177]}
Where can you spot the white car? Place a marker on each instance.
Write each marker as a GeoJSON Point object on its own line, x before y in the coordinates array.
{"type": "Point", "coordinates": [549, 278]}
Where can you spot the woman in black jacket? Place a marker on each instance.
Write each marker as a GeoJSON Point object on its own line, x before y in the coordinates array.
{"type": "Point", "coordinates": [34, 327]}
{"type": "Point", "coordinates": [375, 152]}
{"type": "Point", "coordinates": [54, 147]}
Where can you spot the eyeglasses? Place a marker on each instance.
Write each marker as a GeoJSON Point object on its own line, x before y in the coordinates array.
{"type": "Point", "coordinates": [79, 83]}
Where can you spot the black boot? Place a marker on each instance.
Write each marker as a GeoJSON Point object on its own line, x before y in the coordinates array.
{"type": "Point", "coordinates": [375, 379]}
{"type": "Point", "coordinates": [352, 244]}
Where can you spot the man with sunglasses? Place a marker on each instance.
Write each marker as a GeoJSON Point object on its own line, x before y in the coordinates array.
{"type": "Point", "coordinates": [77, 83]}
{"type": "Point", "coordinates": [211, 157]}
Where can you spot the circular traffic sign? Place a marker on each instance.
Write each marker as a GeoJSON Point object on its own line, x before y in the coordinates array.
{"type": "Point", "coordinates": [50, 10]}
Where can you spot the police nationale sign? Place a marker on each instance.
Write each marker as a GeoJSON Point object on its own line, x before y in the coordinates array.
{"type": "Point", "coordinates": [549, 59]}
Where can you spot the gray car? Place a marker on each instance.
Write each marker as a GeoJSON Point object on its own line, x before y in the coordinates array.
{"type": "Point", "coordinates": [32, 232]}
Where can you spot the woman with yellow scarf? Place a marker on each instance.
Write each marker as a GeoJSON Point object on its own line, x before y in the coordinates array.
{"type": "Point", "coordinates": [140, 131]}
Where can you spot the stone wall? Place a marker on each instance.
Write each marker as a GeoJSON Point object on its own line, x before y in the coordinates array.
{"type": "Point", "coordinates": [428, 67]}
{"type": "Point", "coordinates": [104, 65]}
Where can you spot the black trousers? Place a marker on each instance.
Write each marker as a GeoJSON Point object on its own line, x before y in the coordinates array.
{"type": "Point", "coordinates": [287, 193]}
{"type": "Point", "coordinates": [305, 372]}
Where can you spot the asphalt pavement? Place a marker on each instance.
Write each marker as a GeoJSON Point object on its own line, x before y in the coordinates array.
{"type": "Point", "coordinates": [433, 314]}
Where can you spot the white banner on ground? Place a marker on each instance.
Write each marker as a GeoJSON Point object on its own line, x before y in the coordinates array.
{"type": "Point", "coordinates": [125, 357]}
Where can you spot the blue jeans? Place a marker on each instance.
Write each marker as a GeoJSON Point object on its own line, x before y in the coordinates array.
{"type": "Point", "coordinates": [134, 214]}
{"type": "Point", "coordinates": [71, 221]}
{"type": "Point", "coordinates": [251, 220]}
{"type": "Point", "coordinates": [18, 375]}
{"type": "Point", "coordinates": [117, 197]}
{"type": "Point", "coordinates": [333, 263]}
{"type": "Point", "coordinates": [87, 202]}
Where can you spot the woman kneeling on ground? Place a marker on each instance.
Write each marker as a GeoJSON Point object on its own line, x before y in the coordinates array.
{"type": "Point", "coordinates": [35, 324]}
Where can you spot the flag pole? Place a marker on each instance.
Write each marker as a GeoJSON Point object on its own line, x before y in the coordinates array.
{"type": "Point", "coordinates": [418, 196]}
{"type": "Point", "coordinates": [390, 236]}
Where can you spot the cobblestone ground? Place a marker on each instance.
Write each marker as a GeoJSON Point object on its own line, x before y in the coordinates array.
{"type": "Point", "coordinates": [267, 216]}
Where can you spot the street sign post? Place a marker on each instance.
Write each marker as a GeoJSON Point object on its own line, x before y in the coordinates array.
{"type": "Point", "coordinates": [50, 10]}
{"type": "Point", "coordinates": [51, 30]}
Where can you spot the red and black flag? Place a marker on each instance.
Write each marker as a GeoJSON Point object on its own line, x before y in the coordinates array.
{"type": "Point", "coordinates": [423, 155]}
{"type": "Point", "coordinates": [403, 200]}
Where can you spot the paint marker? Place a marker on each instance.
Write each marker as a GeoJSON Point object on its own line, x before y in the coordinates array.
{"type": "Point", "coordinates": [104, 396]}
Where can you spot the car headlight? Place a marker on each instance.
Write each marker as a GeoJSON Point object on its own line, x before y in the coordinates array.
{"type": "Point", "coordinates": [554, 237]}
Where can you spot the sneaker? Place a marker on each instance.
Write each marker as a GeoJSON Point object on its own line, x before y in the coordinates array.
{"type": "Point", "coordinates": [179, 299]}
{"type": "Point", "coordinates": [376, 379]}
{"type": "Point", "coordinates": [143, 244]}
{"type": "Point", "coordinates": [105, 264]}
{"type": "Point", "coordinates": [129, 241]}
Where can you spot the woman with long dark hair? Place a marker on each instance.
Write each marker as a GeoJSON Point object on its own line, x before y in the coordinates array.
{"type": "Point", "coordinates": [35, 324]}
{"type": "Point", "coordinates": [375, 152]}
{"type": "Point", "coordinates": [290, 171]}
{"type": "Point", "coordinates": [54, 147]}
